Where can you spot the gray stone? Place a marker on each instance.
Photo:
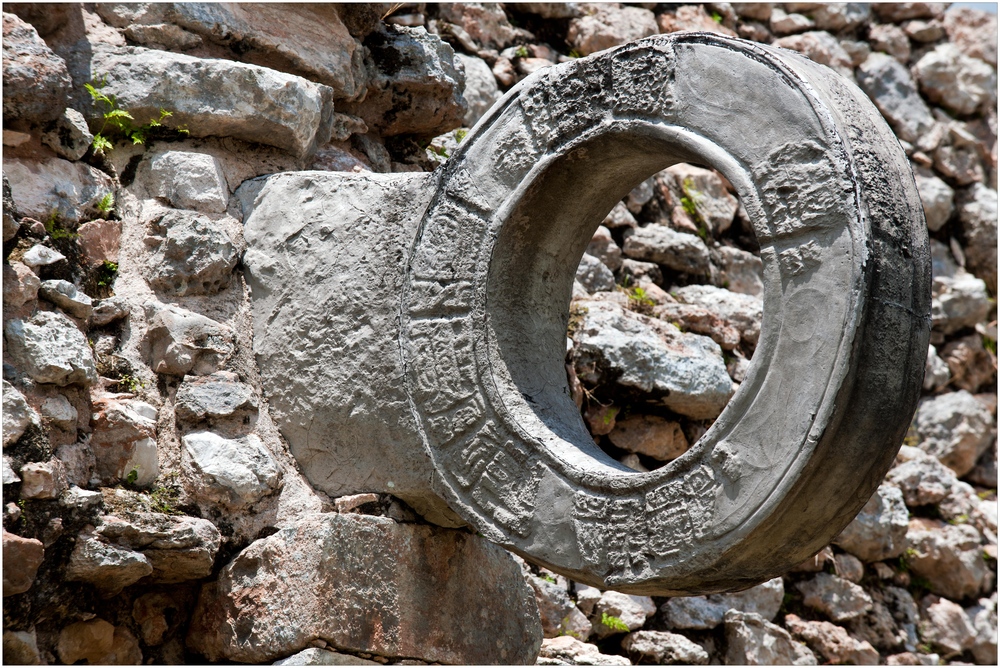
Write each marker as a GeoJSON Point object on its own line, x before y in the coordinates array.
{"type": "Point", "coordinates": [124, 441]}
{"type": "Point", "coordinates": [36, 81]}
{"type": "Point", "coordinates": [220, 98]}
{"type": "Point", "coordinates": [839, 16]}
{"type": "Point", "coordinates": [937, 197]}
{"type": "Point", "coordinates": [70, 137]}
{"type": "Point", "coordinates": [315, 656]}
{"type": "Point", "coordinates": [820, 47]}
{"type": "Point", "coordinates": [636, 272]}
{"type": "Point", "coordinates": [753, 641]}
{"type": "Point", "coordinates": [833, 642]}
{"type": "Point", "coordinates": [889, 85]}
{"type": "Point", "coordinates": [707, 612]}
{"type": "Point", "coordinates": [20, 284]}
{"type": "Point", "coordinates": [678, 251]}
{"type": "Point", "coordinates": [959, 299]}
{"type": "Point", "coordinates": [165, 36]}
{"type": "Point", "coordinates": [713, 207]}
{"type": "Point", "coordinates": [182, 342]}
{"type": "Point", "coordinates": [896, 12]}
{"type": "Point", "coordinates": [178, 548]}
{"type": "Point", "coordinates": [480, 87]}
{"type": "Point", "coordinates": [973, 31]}
{"type": "Point", "coordinates": [984, 620]}
{"type": "Point", "coordinates": [609, 26]}
{"type": "Point", "coordinates": [66, 296]}
{"type": "Point", "coordinates": [890, 39]}
{"type": "Point", "coordinates": [11, 217]}
{"type": "Point", "coordinates": [18, 415]}
{"type": "Point", "coordinates": [977, 213]}
{"type": "Point", "coordinates": [650, 435]}
{"type": "Point", "coordinates": [50, 349]}
{"type": "Point", "coordinates": [107, 567]}
{"type": "Point", "coordinates": [924, 31]}
{"type": "Point", "coordinates": [558, 614]}
{"type": "Point", "coordinates": [783, 23]}
{"type": "Point", "coordinates": [9, 476]}
{"type": "Point", "coordinates": [936, 372]}
{"type": "Point", "coordinates": [835, 597]}
{"type": "Point", "coordinates": [567, 650]}
{"type": "Point", "coordinates": [187, 180]}
{"type": "Point", "coordinates": [603, 247]}
{"type": "Point", "coordinates": [945, 626]}
{"type": "Point", "coordinates": [71, 189]}
{"type": "Point", "coordinates": [953, 80]}
{"type": "Point", "coordinates": [41, 256]}
{"type": "Point", "coordinates": [879, 530]}
{"type": "Point", "coordinates": [949, 557]}
{"type": "Point", "coordinates": [739, 271]}
{"type": "Point", "coordinates": [662, 648]}
{"type": "Point", "coordinates": [744, 312]}
{"type": "Point", "coordinates": [43, 480]}
{"type": "Point", "coordinates": [190, 255]}
{"type": "Point", "coordinates": [594, 275]}
{"type": "Point", "coordinates": [922, 478]}
{"type": "Point", "coordinates": [235, 473]}
{"type": "Point", "coordinates": [402, 590]}
{"type": "Point", "coordinates": [216, 398]}
{"type": "Point", "coordinates": [485, 23]}
{"type": "Point", "coordinates": [615, 611]}
{"type": "Point", "coordinates": [109, 310]}
{"type": "Point", "coordinates": [955, 428]}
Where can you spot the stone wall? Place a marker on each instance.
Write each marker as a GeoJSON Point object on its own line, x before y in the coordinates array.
{"type": "Point", "coordinates": [153, 512]}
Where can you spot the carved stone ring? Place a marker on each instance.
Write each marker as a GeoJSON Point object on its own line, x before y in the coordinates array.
{"type": "Point", "coordinates": [476, 264]}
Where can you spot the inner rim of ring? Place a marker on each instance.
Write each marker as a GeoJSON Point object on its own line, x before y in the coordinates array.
{"type": "Point", "coordinates": [547, 223]}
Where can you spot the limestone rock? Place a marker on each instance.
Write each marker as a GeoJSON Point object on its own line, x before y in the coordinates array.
{"type": "Point", "coordinates": [924, 31]}
{"type": "Point", "coordinates": [955, 428]}
{"type": "Point", "coordinates": [216, 398]}
{"type": "Point", "coordinates": [891, 623]}
{"type": "Point", "coordinates": [36, 81]}
{"type": "Point", "coordinates": [43, 480]}
{"type": "Point", "coordinates": [953, 80]}
{"type": "Point", "coordinates": [753, 641]}
{"type": "Point", "coordinates": [558, 614]}
{"type": "Point", "coordinates": [402, 590]}
{"type": "Point", "coordinates": [315, 656]}
{"type": "Point", "coordinates": [107, 567]}
{"type": "Point", "coordinates": [480, 88]}
{"type": "Point", "coordinates": [50, 349]}
{"type": "Point", "coordinates": [17, 414]}
{"type": "Point", "coordinates": [839, 16]}
{"type": "Point", "coordinates": [890, 39]}
{"type": "Point", "coordinates": [99, 241]}
{"type": "Point", "coordinates": [970, 365]}
{"type": "Point", "coordinates": [41, 256]}
{"type": "Point", "coordinates": [936, 372]}
{"type": "Point", "coordinates": [889, 85]}
{"type": "Point", "coordinates": [485, 23]}
{"type": "Point", "coordinates": [690, 17]}
{"type": "Point", "coordinates": [707, 612]}
{"type": "Point", "coordinates": [124, 440]}
{"type": "Point", "coordinates": [948, 556]}
{"type": "Point", "coordinates": [187, 180]}
{"type": "Point", "coordinates": [178, 548]}
{"type": "Point", "coordinates": [415, 84]}
{"type": "Point", "coordinates": [190, 255]}
{"type": "Point", "coordinates": [923, 479]}
{"type": "Point", "coordinates": [680, 252]}
{"type": "Point", "coordinates": [91, 641]}
{"type": "Point", "coordinates": [20, 284]}
{"type": "Point", "coordinates": [945, 626]}
{"type": "Point", "coordinates": [593, 275]}
{"type": "Point", "coordinates": [900, 11]}
{"type": "Point", "coordinates": [662, 648]}
{"type": "Point", "coordinates": [9, 477]}
{"type": "Point", "coordinates": [958, 299]}
{"type": "Point", "coordinates": [742, 311]}
{"type": "Point", "coordinates": [235, 473]}
{"type": "Point", "coordinates": [11, 217]}
{"type": "Point", "coordinates": [712, 204]}
{"type": "Point", "coordinates": [984, 621]}
{"type": "Point", "coordinates": [973, 31]}
{"type": "Point", "coordinates": [739, 271]}
{"type": "Point", "coordinates": [71, 189]}
{"type": "Point", "coordinates": [937, 198]}
{"type": "Point", "coordinates": [821, 47]}
{"type": "Point", "coordinates": [221, 98]}
{"type": "Point", "coordinates": [69, 137]}
{"type": "Point", "coordinates": [66, 296]}
{"type": "Point", "coordinates": [610, 26]}
{"type": "Point", "coordinates": [650, 435]}
{"type": "Point", "coordinates": [977, 213]}
{"type": "Point", "coordinates": [783, 23]}
{"type": "Point", "coordinates": [21, 559]}
{"type": "Point", "coordinates": [182, 342]}
{"type": "Point", "coordinates": [835, 597]}
{"type": "Point", "coordinates": [568, 650]}
{"type": "Point", "coordinates": [621, 610]}
{"type": "Point", "coordinates": [833, 642]}
{"type": "Point", "coordinates": [621, 215]}
{"type": "Point", "coordinates": [108, 310]}
{"type": "Point", "coordinates": [603, 247]}
{"type": "Point", "coordinates": [879, 530]}
{"type": "Point", "coordinates": [21, 648]}
{"type": "Point", "coordinates": [652, 357]}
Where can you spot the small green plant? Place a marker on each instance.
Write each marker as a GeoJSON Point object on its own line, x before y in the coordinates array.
{"type": "Point", "coordinates": [107, 203]}
{"type": "Point", "coordinates": [132, 476]}
{"type": "Point", "coordinates": [522, 52]}
{"type": "Point", "coordinates": [961, 519]}
{"type": "Point", "coordinates": [639, 295]}
{"type": "Point", "coordinates": [573, 53]}
{"type": "Point", "coordinates": [990, 344]}
{"type": "Point", "coordinates": [131, 384]}
{"type": "Point", "coordinates": [614, 623]}
{"type": "Point", "coordinates": [120, 120]}
{"type": "Point", "coordinates": [717, 17]}
{"type": "Point", "coordinates": [461, 134]}
{"type": "Point", "coordinates": [55, 231]}
{"type": "Point", "coordinates": [107, 273]}
{"type": "Point", "coordinates": [439, 150]}
{"type": "Point", "coordinates": [548, 578]}
{"type": "Point", "coordinates": [691, 198]}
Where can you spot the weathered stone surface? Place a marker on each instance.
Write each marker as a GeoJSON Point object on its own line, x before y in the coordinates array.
{"type": "Point", "coordinates": [413, 593]}
{"type": "Point", "coordinates": [849, 567]}
{"type": "Point", "coordinates": [743, 311]}
{"type": "Point", "coordinates": [190, 255]}
{"type": "Point", "coordinates": [821, 47]}
{"type": "Point", "coordinates": [178, 548]}
{"type": "Point", "coordinates": [594, 275]}
{"type": "Point", "coordinates": [678, 251]}
{"type": "Point", "coordinates": [558, 614]}
{"type": "Point", "coordinates": [567, 650]}
{"type": "Point", "coordinates": [835, 597]}
{"type": "Point", "coordinates": [783, 23]}
{"type": "Point", "coordinates": [66, 296]}
{"type": "Point", "coordinates": [99, 241]}
{"type": "Point", "coordinates": [686, 369]}
{"type": "Point", "coordinates": [753, 641]}
{"type": "Point", "coordinates": [879, 530]}
{"type": "Point", "coordinates": [833, 642]}
{"type": "Point", "coordinates": [21, 648]}
{"type": "Point", "coordinates": [50, 349]}
{"type": "Point", "coordinates": [182, 342]}
{"type": "Point", "coordinates": [953, 80]}
{"type": "Point", "coordinates": [9, 476]}
{"type": "Point", "coordinates": [314, 656]}
{"type": "Point", "coordinates": [43, 480]}
{"type": "Point", "coordinates": [108, 310]}
{"type": "Point", "coordinates": [69, 137]}
{"type": "Point", "coordinates": [626, 611]}
{"type": "Point", "coordinates": [936, 373]}
{"type": "Point", "coordinates": [41, 256]}
{"type": "Point", "coordinates": [922, 478]}
{"type": "Point", "coordinates": [107, 567]}
{"type": "Point", "coordinates": [892, 621]}
{"type": "Point", "coordinates": [89, 641]}
{"type": "Point", "coordinates": [900, 11]}
{"type": "Point", "coordinates": [21, 559]}
{"type": "Point", "coordinates": [662, 648]}
{"type": "Point", "coordinates": [650, 435]}
{"type": "Point", "coordinates": [70, 189]}
{"type": "Point", "coordinates": [890, 39]}
{"type": "Point", "coordinates": [937, 198]}
{"type": "Point", "coordinates": [187, 180]}
{"type": "Point", "coordinates": [889, 85]}
{"type": "Point", "coordinates": [36, 82]}
{"type": "Point", "coordinates": [977, 213]}
{"type": "Point", "coordinates": [17, 414]}
{"type": "Point", "coordinates": [958, 298]}
{"type": "Point", "coordinates": [124, 440]}
{"type": "Point", "coordinates": [707, 612]}
{"type": "Point", "coordinates": [948, 556]}
{"type": "Point", "coordinates": [955, 428]}
{"type": "Point", "coordinates": [713, 207]}
{"type": "Point", "coordinates": [20, 284]}
{"type": "Point", "coordinates": [214, 97]}
{"type": "Point", "coordinates": [840, 15]}
{"type": "Point", "coordinates": [739, 271]}
{"type": "Point", "coordinates": [984, 621]}
{"type": "Point", "coordinates": [485, 23]}
{"type": "Point", "coordinates": [970, 365]}
{"type": "Point", "coordinates": [233, 472]}
{"type": "Point", "coordinates": [603, 247]}
{"type": "Point", "coordinates": [610, 26]}
{"type": "Point", "coordinates": [216, 398]}
{"type": "Point", "coordinates": [480, 87]}
{"type": "Point", "coordinates": [945, 626]}
{"type": "Point", "coordinates": [973, 31]}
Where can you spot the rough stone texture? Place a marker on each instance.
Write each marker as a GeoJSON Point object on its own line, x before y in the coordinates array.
{"type": "Point", "coordinates": [71, 189]}
{"type": "Point", "coordinates": [753, 641]}
{"type": "Point", "coordinates": [233, 472]}
{"type": "Point", "coordinates": [879, 530]}
{"type": "Point", "coordinates": [895, 12]}
{"type": "Point", "coordinates": [948, 556]}
{"type": "Point", "coordinates": [124, 440]}
{"type": "Point", "coordinates": [977, 213]}
{"type": "Point", "coordinates": [945, 626]}
{"type": "Point", "coordinates": [953, 80]}
{"type": "Point", "coordinates": [832, 642]}
{"type": "Point", "coordinates": [485, 23]}
{"type": "Point", "coordinates": [190, 255]}
{"type": "Point", "coordinates": [36, 81]}
{"type": "Point", "coordinates": [480, 87]}
{"type": "Point", "coordinates": [99, 241]}
{"type": "Point", "coordinates": [603, 247]}
{"type": "Point", "coordinates": [66, 296]}
{"type": "Point", "coordinates": [687, 369]}
{"type": "Point", "coordinates": [594, 275]}
{"type": "Point", "coordinates": [662, 648]}
{"type": "Point", "coordinates": [21, 648]}
{"type": "Point", "coordinates": [187, 180]}
{"type": "Point", "coordinates": [707, 612]}
{"type": "Point", "coordinates": [107, 567]}
{"type": "Point", "coordinates": [21, 559]}
{"type": "Point", "coordinates": [90, 641]}
{"type": "Point", "coordinates": [43, 480]}
{"type": "Point", "coordinates": [610, 26]}
{"type": "Point", "coordinates": [923, 479]}
{"type": "Point", "coordinates": [970, 365]}
{"type": "Point", "coordinates": [973, 31]}
{"type": "Point", "coordinates": [179, 548]}
{"type": "Point", "coordinates": [889, 85]}
{"type": "Point", "coordinates": [678, 251]}
{"type": "Point", "coordinates": [936, 374]}
{"type": "Point", "coordinates": [41, 256]}
{"type": "Point", "coordinates": [314, 656]}
{"type": "Point", "coordinates": [890, 39]}
{"type": "Point", "coordinates": [558, 614]}
{"type": "Point", "coordinates": [630, 611]}
{"type": "Point", "coordinates": [955, 428]}
{"type": "Point", "coordinates": [390, 581]}
{"type": "Point", "coordinates": [821, 47]}
{"type": "Point", "coordinates": [219, 398]}
{"type": "Point", "coordinates": [835, 597]}
{"type": "Point", "coordinates": [182, 342]}
{"type": "Point", "coordinates": [743, 311]}
{"type": "Point", "coordinates": [568, 650]}
{"type": "Point", "coordinates": [712, 204]}
{"type": "Point", "coordinates": [70, 137]}
{"type": "Point", "coordinates": [50, 349]}
{"type": "Point", "coordinates": [739, 271]}
{"type": "Point", "coordinates": [958, 298]}
{"type": "Point", "coordinates": [984, 621]}
{"type": "Point", "coordinates": [937, 198]}
{"type": "Point", "coordinates": [650, 435]}
{"type": "Point", "coordinates": [18, 415]}
{"type": "Point", "coordinates": [783, 23]}
{"type": "Point", "coordinates": [213, 97]}
{"type": "Point", "coordinates": [20, 284]}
